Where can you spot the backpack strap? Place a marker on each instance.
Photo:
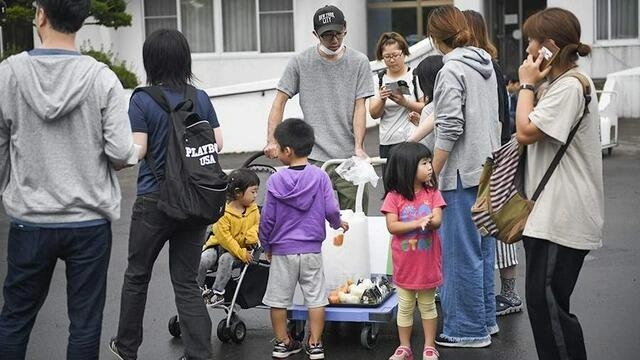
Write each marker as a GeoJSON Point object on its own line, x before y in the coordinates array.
{"type": "Point", "coordinates": [380, 74]}
{"type": "Point", "coordinates": [191, 94]}
{"type": "Point", "coordinates": [157, 95]}
{"type": "Point", "coordinates": [414, 81]}
{"type": "Point", "coordinates": [586, 93]}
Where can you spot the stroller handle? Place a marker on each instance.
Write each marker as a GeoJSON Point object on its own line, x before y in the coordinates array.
{"type": "Point", "coordinates": [252, 158]}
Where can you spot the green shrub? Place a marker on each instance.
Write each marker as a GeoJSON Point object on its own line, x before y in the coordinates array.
{"type": "Point", "coordinates": [128, 79]}
{"type": "Point", "coordinates": [10, 50]}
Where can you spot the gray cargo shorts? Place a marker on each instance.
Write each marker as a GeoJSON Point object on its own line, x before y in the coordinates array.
{"type": "Point", "coordinates": [288, 270]}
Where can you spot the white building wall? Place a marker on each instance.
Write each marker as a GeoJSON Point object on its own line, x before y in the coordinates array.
{"type": "Point", "coordinates": [213, 70]}
{"type": "Point", "coordinates": [477, 5]}
{"type": "Point", "coordinates": [605, 57]}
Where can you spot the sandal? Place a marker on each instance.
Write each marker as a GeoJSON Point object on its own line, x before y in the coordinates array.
{"type": "Point", "coordinates": [402, 353]}
{"type": "Point", "coordinates": [430, 353]}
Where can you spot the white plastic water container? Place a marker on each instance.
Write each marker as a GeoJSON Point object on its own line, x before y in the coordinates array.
{"type": "Point", "coordinates": [351, 259]}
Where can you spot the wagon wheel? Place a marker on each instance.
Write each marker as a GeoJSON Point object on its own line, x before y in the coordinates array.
{"type": "Point", "coordinates": [369, 335]}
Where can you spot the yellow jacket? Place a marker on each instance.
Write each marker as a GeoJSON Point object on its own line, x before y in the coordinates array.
{"type": "Point", "coordinates": [235, 231]}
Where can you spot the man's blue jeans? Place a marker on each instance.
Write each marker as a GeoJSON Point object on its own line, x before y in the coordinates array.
{"type": "Point", "coordinates": [467, 295]}
{"type": "Point", "coordinates": [31, 258]}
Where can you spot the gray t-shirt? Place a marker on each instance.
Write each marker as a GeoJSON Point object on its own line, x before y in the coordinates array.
{"type": "Point", "coordinates": [570, 209]}
{"type": "Point", "coordinates": [328, 90]}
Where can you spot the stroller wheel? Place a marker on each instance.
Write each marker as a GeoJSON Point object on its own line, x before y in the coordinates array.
{"type": "Point", "coordinates": [174, 326]}
{"type": "Point", "coordinates": [238, 331]}
{"type": "Point", "coordinates": [223, 332]}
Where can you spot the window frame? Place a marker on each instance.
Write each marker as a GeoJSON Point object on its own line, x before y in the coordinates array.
{"type": "Point", "coordinates": [218, 31]}
{"type": "Point", "coordinates": [608, 42]}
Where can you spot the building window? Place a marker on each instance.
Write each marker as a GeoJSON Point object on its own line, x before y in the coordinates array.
{"type": "Point", "coordinates": [408, 18]}
{"type": "Point", "coordinates": [244, 25]}
{"type": "Point", "coordinates": [617, 19]}
{"type": "Point", "coordinates": [276, 25]}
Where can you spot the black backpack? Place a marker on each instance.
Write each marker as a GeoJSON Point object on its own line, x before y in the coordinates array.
{"type": "Point", "coordinates": [193, 187]}
{"type": "Point", "coordinates": [413, 81]}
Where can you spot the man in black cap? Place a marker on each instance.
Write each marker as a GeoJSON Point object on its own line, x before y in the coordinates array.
{"type": "Point", "coordinates": [333, 82]}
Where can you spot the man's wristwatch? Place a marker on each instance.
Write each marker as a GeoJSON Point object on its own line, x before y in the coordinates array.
{"type": "Point", "coordinates": [527, 87]}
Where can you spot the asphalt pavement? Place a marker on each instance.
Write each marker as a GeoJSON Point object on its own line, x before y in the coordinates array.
{"type": "Point", "coordinates": [606, 298]}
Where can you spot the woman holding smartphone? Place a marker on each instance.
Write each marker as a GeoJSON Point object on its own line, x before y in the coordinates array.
{"type": "Point", "coordinates": [567, 219]}
{"type": "Point", "coordinates": [393, 107]}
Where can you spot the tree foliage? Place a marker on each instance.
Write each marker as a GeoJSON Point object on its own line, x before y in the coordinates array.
{"type": "Point", "coordinates": [110, 13]}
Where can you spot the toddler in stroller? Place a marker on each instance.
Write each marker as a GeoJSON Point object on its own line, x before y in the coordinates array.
{"type": "Point", "coordinates": [234, 236]}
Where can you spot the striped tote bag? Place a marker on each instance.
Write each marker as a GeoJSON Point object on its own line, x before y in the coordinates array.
{"type": "Point", "coordinates": [501, 209]}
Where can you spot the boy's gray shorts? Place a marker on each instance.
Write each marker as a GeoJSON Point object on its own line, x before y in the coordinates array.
{"type": "Point", "coordinates": [287, 270]}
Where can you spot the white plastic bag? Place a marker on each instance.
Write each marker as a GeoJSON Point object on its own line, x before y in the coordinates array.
{"type": "Point", "coordinates": [358, 171]}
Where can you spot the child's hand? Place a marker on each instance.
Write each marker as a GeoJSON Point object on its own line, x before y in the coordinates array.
{"type": "Point", "coordinates": [248, 257]}
{"type": "Point", "coordinates": [344, 225]}
{"type": "Point", "coordinates": [268, 256]}
{"type": "Point", "coordinates": [414, 118]}
{"type": "Point", "coordinates": [424, 221]}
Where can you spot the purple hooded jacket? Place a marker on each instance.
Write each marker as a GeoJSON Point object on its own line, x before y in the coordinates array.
{"type": "Point", "coordinates": [296, 205]}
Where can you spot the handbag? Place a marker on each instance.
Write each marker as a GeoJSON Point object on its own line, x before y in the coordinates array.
{"type": "Point", "coordinates": [501, 208]}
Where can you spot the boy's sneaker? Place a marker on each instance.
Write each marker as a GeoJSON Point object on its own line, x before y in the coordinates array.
{"type": "Point", "coordinates": [207, 294]}
{"type": "Point", "coordinates": [114, 349]}
{"type": "Point", "coordinates": [315, 351]}
{"type": "Point", "coordinates": [283, 351]}
{"type": "Point", "coordinates": [443, 341]}
{"type": "Point", "coordinates": [508, 304]}
{"type": "Point", "coordinates": [216, 299]}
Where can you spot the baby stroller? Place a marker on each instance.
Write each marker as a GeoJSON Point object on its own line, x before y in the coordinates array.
{"type": "Point", "coordinates": [248, 282]}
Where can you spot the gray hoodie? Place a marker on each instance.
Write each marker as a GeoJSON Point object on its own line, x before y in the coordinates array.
{"type": "Point", "coordinates": [63, 123]}
{"type": "Point", "coordinates": [466, 108]}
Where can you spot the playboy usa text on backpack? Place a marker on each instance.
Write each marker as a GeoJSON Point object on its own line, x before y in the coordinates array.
{"type": "Point", "coordinates": [194, 185]}
{"type": "Point", "coordinates": [501, 208]}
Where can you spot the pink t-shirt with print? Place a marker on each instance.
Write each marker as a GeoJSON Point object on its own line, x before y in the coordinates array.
{"type": "Point", "coordinates": [416, 255]}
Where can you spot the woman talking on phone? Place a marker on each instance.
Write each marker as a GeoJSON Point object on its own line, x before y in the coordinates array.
{"type": "Point", "coordinates": [567, 219]}
{"type": "Point", "coordinates": [389, 104]}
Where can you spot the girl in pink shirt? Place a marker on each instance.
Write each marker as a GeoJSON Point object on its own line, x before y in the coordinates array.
{"type": "Point", "coordinates": [413, 209]}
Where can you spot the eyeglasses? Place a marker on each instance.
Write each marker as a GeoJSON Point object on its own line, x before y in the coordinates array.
{"type": "Point", "coordinates": [394, 55]}
{"type": "Point", "coordinates": [328, 36]}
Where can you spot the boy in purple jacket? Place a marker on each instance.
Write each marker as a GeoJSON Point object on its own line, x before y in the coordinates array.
{"type": "Point", "coordinates": [292, 228]}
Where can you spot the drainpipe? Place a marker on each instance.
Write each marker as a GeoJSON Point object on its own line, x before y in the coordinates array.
{"type": "Point", "coordinates": [3, 13]}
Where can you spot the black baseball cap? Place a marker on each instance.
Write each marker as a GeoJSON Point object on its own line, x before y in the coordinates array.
{"type": "Point", "coordinates": [328, 18]}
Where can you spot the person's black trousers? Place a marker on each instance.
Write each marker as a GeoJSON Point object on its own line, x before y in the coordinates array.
{"type": "Point", "coordinates": [552, 272]}
{"type": "Point", "coordinates": [150, 230]}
